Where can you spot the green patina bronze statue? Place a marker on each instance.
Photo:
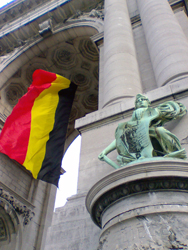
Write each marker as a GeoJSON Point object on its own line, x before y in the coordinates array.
{"type": "Point", "coordinates": [144, 135]}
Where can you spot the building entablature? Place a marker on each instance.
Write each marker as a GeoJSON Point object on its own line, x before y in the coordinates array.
{"type": "Point", "coordinates": [21, 22]}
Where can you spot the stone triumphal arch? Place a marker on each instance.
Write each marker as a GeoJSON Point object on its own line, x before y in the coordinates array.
{"type": "Point", "coordinates": [112, 50]}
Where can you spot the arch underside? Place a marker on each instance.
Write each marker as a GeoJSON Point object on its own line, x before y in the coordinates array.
{"type": "Point", "coordinates": [69, 52]}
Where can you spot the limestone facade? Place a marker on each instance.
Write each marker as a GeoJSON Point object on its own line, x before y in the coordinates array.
{"type": "Point", "coordinates": [112, 49]}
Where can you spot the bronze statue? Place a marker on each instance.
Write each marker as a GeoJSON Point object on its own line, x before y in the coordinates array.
{"type": "Point", "coordinates": [144, 135]}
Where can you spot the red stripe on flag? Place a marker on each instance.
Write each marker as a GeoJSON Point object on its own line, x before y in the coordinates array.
{"type": "Point", "coordinates": [15, 135]}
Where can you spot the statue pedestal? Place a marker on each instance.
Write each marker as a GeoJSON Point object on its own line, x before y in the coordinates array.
{"type": "Point", "coordinates": [142, 206]}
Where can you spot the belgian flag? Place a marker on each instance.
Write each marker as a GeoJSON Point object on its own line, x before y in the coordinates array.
{"type": "Point", "coordinates": [35, 132]}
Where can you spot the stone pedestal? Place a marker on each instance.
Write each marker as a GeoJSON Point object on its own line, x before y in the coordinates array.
{"type": "Point", "coordinates": [142, 206]}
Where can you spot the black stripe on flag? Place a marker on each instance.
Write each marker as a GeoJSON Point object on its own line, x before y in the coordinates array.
{"type": "Point", "coordinates": [51, 166]}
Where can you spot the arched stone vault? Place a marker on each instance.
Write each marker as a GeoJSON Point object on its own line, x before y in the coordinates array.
{"type": "Point", "coordinates": [69, 52]}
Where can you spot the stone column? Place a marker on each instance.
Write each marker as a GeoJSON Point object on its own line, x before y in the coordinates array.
{"type": "Point", "coordinates": [121, 73]}
{"type": "Point", "coordinates": [101, 75]}
{"type": "Point", "coordinates": [167, 44]}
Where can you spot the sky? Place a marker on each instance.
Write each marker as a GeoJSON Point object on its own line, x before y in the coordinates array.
{"type": "Point", "coordinates": [4, 2]}
{"type": "Point", "coordinates": [68, 181]}
{"type": "Point", "coordinates": [70, 163]}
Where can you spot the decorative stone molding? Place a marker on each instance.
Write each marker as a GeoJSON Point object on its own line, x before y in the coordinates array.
{"type": "Point", "coordinates": [81, 80]}
{"type": "Point", "coordinates": [91, 101]}
{"type": "Point", "coordinates": [14, 92]}
{"type": "Point", "coordinates": [19, 207]}
{"type": "Point", "coordinates": [45, 28]}
{"type": "Point", "coordinates": [88, 50]}
{"type": "Point", "coordinates": [13, 37]}
{"type": "Point", "coordinates": [31, 13]}
{"type": "Point", "coordinates": [64, 58]}
{"type": "Point", "coordinates": [97, 12]}
{"type": "Point", "coordinates": [10, 12]}
{"type": "Point", "coordinates": [142, 177]}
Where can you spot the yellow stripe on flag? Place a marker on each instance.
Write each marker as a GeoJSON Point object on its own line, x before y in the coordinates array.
{"type": "Point", "coordinates": [42, 122]}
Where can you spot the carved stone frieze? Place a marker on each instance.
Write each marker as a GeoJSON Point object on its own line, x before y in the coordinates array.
{"type": "Point", "coordinates": [15, 10]}
{"type": "Point", "coordinates": [133, 180]}
{"type": "Point", "coordinates": [29, 14]}
{"type": "Point", "coordinates": [19, 207]}
{"type": "Point", "coordinates": [97, 12]}
{"type": "Point", "coordinates": [136, 187]}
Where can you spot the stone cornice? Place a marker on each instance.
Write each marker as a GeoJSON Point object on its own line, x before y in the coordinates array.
{"type": "Point", "coordinates": [17, 3]}
{"type": "Point", "coordinates": [116, 112]}
{"type": "Point", "coordinates": [31, 16]}
{"type": "Point", "coordinates": [50, 7]}
{"type": "Point", "coordinates": [25, 29]}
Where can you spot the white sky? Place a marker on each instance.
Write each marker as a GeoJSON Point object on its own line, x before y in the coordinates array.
{"type": "Point", "coordinates": [68, 181]}
{"type": "Point", "coordinates": [4, 2]}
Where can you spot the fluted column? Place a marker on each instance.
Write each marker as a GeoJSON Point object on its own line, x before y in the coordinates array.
{"type": "Point", "coordinates": [121, 73]}
{"type": "Point", "coordinates": [167, 44]}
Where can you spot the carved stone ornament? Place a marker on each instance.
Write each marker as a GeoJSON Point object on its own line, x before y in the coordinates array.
{"type": "Point", "coordinates": [98, 12]}
{"type": "Point", "coordinates": [45, 28]}
{"type": "Point", "coordinates": [19, 207]}
{"type": "Point", "coordinates": [128, 189]}
{"type": "Point", "coordinates": [14, 92]}
{"type": "Point", "coordinates": [139, 178]}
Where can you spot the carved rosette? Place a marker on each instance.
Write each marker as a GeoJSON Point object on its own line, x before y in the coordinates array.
{"type": "Point", "coordinates": [91, 101]}
{"type": "Point", "coordinates": [14, 92]}
{"type": "Point", "coordinates": [88, 50]}
{"type": "Point", "coordinates": [81, 80]}
{"type": "Point", "coordinates": [64, 58]}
